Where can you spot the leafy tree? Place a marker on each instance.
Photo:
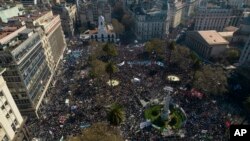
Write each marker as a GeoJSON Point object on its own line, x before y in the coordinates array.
{"type": "Point", "coordinates": [118, 27]}
{"type": "Point", "coordinates": [155, 45]}
{"type": "Point", "coordinates": [232, 55]}
{"type": "Point", "coordinates": [116, 114]}
{"type": "Point", "coordinates": [181, 57]}
{"type": "Point", "coordinates": [193, 56]}
{"type": "Point", "coordinates": [211, 80]}
{"type": "Point", "coordinates": [110, 50]}
{"type": "Point", "coordinates": [127, 21]}
{"type": "Point", "coordinates": [98, 68]}
{"type": "Point", "coordinates": [99, 132]}
{"type": "Point", "coordinates": [111, 69]}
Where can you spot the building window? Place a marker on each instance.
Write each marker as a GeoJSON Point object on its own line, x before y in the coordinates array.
{"type": "Point", "coordinates": [5, 138]}
{"type": "Point", "coordinates": [7, 116]}
{"type": "Point", "coordinates": [13, 127]}
{"type": "Point", "coordinates": [3, 107]}
{"type": "Point", "coordinates": [15, 122]}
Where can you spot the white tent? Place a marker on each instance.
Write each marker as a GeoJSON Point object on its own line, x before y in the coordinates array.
{"type": "Point", "coordinates": [121, 64]}
{"type": "Point", "coordinates": [67, 102]}
{"type": "Point", "coordinates": [136, 80]}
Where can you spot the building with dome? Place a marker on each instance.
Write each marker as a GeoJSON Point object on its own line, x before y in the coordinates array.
{"type": "Point", "coordinates": [151, 18]}
{"type": "Point", "coordinates": [103, 33]}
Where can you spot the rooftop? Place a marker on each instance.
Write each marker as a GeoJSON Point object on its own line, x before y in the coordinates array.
{"type": "Point", "coordinates": [212, 37]}
{"type": "Point", "coordinates": [226, 34]}
{"type": "Point", "coordinates": [4, 31]}
{"type": "Point", "coordinates": [230, 28]}
{"type": "Point", "coordinates": [30, 17]}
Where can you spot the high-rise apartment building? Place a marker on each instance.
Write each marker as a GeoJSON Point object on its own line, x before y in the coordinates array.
{"type": "Point", "coordinates": [31, 56]}
{"type": "Point", "coordinates": [235, 3]}
{"type": "Point", "coordinates": [177, 9]}
{"type": "Point", "coordinates": [90, 10]}
{"type": "Point", "coordinates": [68, 15]}
{"type": "Point", "coordinates": [11, 122]}
{"type": "Point", "coordinates": [210, 16]}
{"type": "Point", "coordinates": [27, 70]}
{"type": "Point", "coordinates": [245, 54]}
{"type": "Point", "coordinates": [52, 33]}
{"type": "Point", "coordinates": [152, 19]}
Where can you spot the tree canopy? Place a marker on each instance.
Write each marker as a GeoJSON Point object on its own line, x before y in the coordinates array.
{"type": "Point", "coordinates": [127, 21]}
{"type": "Point", "coordinates": [111, 68]}
{"type": "Point", "coordinates": [156, 45]}
{"type": "Point", "coordinates": [110, 50]}
{"type": "Point", "coordinates": [99, 132]}
{"type": "Point", "coordinates": [97, 68]}
{"type": "Point", "coordinates": [211, 80]}
{"type": "Point", "coordinates": [118, 27]}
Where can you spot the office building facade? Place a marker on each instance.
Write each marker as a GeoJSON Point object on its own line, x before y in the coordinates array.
{"type": "Point", "coordinates": [12, 126]}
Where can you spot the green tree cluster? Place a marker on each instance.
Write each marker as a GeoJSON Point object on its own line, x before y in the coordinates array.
{"type": "Point", "coordinates": [118, 27]}
{"type": "Point", "coordinates": [211, 80]}
{"type": "Point", "coordinates": [155, 45]}
{"type": "Point", "coordinates": [99, 132]}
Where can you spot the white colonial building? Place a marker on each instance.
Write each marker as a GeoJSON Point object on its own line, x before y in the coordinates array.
{"type": "Point", "coordinates": [104, 32]}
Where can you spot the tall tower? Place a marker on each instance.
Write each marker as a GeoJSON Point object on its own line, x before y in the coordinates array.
{"type": "Point", "coordinates": [166, 111]}
{"type": "Point", "coordinates": [101, 24]}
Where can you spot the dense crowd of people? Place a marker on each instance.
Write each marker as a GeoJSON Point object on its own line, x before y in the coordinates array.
{"type": "Point", "coordinates": [87, 100]}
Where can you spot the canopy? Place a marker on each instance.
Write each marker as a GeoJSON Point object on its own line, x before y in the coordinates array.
{"type": "Point", "coordinates": [121, 64]}
{"type": "Point", "coordinates": [113, 82]}
{"type": "Point", "coordinates": [134, 80]}
{"type": "Point", "coordinates": [173, 78]}
{"type": "Point", "coordinates": [67, 101]}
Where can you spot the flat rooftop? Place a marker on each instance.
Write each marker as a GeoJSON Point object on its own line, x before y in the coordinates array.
{"type": "Point", "coordinates": [30, 17]}
{"type": "Point", "coordinates": [5, 31]}
{"type": "Point", "coordinates": [212, 37]}
{"type": "Point", "coordinates": [230, 28]}
{"type": "Point", "coordinates": [226, 34]}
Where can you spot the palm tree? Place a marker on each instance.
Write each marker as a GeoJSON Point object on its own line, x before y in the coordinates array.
{"type": "Point", "coordinates": [171, 48]}
{"type": "Point", "coordinates": [111, 69]}
{"type": "Point", "coordinates": [116, 114]}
